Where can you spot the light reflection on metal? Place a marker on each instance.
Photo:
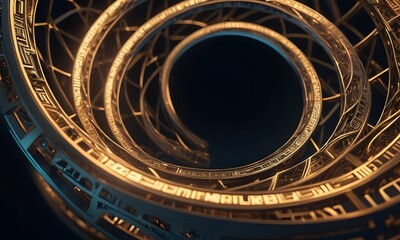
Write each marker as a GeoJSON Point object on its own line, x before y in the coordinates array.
{"type": "Point", "coordinates": [69, 110]}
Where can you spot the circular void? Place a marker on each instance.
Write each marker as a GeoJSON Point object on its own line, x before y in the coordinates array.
{"type": "Point", "coordinates": [304, 68]}
{"type": "Point", "coordinates": [288, 50]}
{"type": "Point", "coordinates": [105, 114]}
{"type": "Point", "coordinates": [225, 91]}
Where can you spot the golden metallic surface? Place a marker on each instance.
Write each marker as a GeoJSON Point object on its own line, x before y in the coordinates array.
{"type": "Point", "coordinates": [303, 67]}
{"type": "Point", "coordinates": [71, 112]}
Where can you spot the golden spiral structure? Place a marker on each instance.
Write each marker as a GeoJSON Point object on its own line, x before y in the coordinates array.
{"type": "Point", "coordinates": [88, 90]}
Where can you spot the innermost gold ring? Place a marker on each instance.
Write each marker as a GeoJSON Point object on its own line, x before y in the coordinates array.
{"type": "Point", "coordinates": [298, 61]}
{"type": "Point", "coordinates": [294, 56]}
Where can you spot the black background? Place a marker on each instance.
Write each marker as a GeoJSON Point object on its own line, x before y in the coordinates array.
{"type": "Point", "coordinates": [25, 212]}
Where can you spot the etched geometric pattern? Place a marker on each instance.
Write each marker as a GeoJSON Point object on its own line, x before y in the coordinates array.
{"type": "Point", "coordinates": [119, 163]}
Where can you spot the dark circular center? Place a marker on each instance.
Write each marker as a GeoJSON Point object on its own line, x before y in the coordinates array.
{"type": "Point", "coordinates": [239, 95]}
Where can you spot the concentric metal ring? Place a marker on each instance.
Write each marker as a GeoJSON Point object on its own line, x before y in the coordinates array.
{"type": "Point", "coordinates": [303, 67]}
{"type": "Point", "coordinates": [354, 82]}
{"type": "Point", "coordinates": [352, 177]}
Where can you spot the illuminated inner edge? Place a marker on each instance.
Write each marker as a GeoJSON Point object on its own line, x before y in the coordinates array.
{"type": "Point", "coordinates": [351, 73]}
{"type": "Point", "coordinates": [299, 62]}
